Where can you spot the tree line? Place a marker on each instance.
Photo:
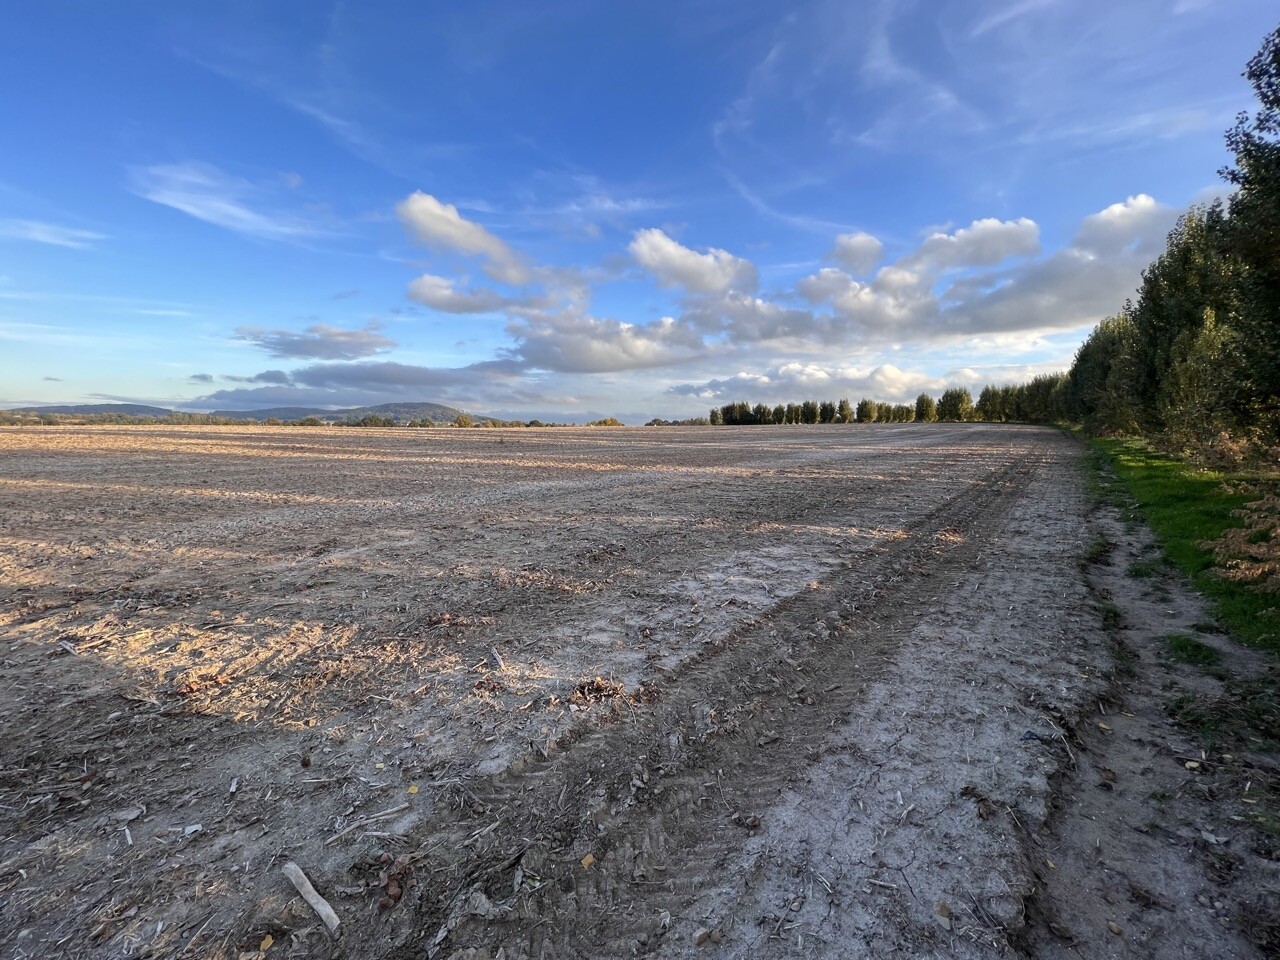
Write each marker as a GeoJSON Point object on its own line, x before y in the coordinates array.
{"type": "Point", "coordinates": [1033, 402]}
{"type": "Point", "coordinates": [1193, 360]}
{"type": "Point", "coordinates": [955, 404]}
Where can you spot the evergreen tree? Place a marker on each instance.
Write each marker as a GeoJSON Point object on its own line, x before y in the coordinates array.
{"type": "Point", "coordinates": [926, 409]}
{"type": "Point", "coordinates": [990, 405]}
{"type": "Point", "coordinates": [956, 404]}
{"type": "Point", "coordinates": [1254, 235]}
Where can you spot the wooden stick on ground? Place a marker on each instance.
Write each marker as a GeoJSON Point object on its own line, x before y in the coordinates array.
{"type": "Point", "coordinates": [366, 821]}
{"type": "Point", "coordinates": [317, 903]}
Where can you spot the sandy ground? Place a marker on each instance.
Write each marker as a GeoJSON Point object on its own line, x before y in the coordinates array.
{"type": "Point", "coordinates": [741, 692]}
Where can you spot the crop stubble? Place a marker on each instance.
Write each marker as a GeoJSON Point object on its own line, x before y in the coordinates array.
{"type": "Point", "coordinates": [630, 647]}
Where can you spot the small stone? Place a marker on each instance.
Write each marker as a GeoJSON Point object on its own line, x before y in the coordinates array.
{"type": "Point", "coordinates": [1115, 927]}
{"type": "Point", "coordinates": [701, 936]}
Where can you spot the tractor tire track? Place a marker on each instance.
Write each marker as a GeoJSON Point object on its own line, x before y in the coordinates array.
{"type": "Point", "coordinates": [576, 855]}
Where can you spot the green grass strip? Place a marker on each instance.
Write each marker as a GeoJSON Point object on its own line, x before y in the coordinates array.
{"type": "Point", "coordinates": [1185, 506]}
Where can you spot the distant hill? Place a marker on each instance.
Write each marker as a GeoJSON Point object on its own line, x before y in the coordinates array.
{"type": "Point", "coordinates": [414, 411]}
{"type": "Point", "coordinates": [128, 409]}
{"type": "Point", "coordinates": [279, 413]}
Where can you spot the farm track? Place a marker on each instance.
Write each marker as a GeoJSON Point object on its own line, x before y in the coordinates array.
{"type": "Point", "coordinates": [652, 798]}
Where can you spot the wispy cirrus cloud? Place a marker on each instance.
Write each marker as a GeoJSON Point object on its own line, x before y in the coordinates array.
{"type": "Point", "coordinates": [1007, 13]}
{"type": "Point", "coordinates": [205, 192]}
{"type": "Point", "coordinates": [37, 231]}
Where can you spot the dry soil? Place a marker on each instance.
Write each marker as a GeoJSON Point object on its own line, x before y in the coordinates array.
{"type": "Point", "coordinates": [842, 691]}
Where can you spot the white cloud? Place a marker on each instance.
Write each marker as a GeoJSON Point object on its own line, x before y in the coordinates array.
{"type": "Point", "coordinates": [828, 284]}
{"type": "Point", "coordinates": [884, 382]}
{"type": "Point", "coordinates": [574, 343]}
{"type": "Point", "coordinates": [1071, 288]}
{"type": "Point", "coordinates": [440, 225]}
{"type": "Point", "coordinates": [979, 293]}
{"type": "Point", "coordinates": [51, 233]}
{"type": "Point", "coordinates": [1138, 221]}
{"type": "Point", "coordinates": [677, 266]}
{"type": "Point", "coordinates": [858, 251]}
{"type": "Point", "coordinates": [317, 342]}
{"type": "Point", "coordinates": [1007, 13]}
{"type": "Point", "coordinates": [799, 380]}
{"type": "Point", "coordinates": [982, 243]}
{"type": "Point", "coordinates": [206, 193]}
{"type": "Point", "coordinates": [439, 293]}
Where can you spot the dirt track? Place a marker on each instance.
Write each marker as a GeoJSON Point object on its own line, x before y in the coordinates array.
{"type": "Point", "coordinates": [790, 691]}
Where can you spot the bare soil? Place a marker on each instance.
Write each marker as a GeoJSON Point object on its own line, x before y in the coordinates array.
{"type": "Point", "coordinates": [558, 693]}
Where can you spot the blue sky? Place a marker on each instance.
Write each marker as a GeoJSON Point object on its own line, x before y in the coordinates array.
{"type": "Point", "coordinates": [585, 209]}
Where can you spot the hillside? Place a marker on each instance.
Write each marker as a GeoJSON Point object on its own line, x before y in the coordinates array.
{"type": "Point", "coordinates": [128, 409]}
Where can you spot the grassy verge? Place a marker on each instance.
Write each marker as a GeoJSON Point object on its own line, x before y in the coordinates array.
{"type": "Point", "coordinates": [1185, 507]}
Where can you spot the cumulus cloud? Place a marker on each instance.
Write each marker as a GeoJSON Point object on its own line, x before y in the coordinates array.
{"type": "Point", "coordinates": [200, 378]}
{"type": "Point", "coordinates": [1072, 287]}
{"type": "Point", "coordinates": [797, 380]}
{"type": "Point", "coordinates": [439, 293]}
{"type": "Point", "coordinates": [317, 342]}
{"type": "Point", "coordinates": [575, 343]}
{"type": "Point", "coordinates": [858, 251]}
{"type": "Point", "coordinates": [440, 226]}
{"type": "Point", "coordinates": [1138, 223]}
{"type": "Point", "coordinates": [985, 283]}
{"type": "Point", "coordinates": [676, 265]}
{"type": "Point", "coordinates": [51, 233]}
{"type": "Point", "coordinates": [981, 244]}
{"type": "Point", "coordinates": [206, 193]}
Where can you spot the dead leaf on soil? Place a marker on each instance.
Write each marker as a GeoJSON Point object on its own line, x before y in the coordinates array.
{"type": "Point", "coordinates": [942, 911]}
